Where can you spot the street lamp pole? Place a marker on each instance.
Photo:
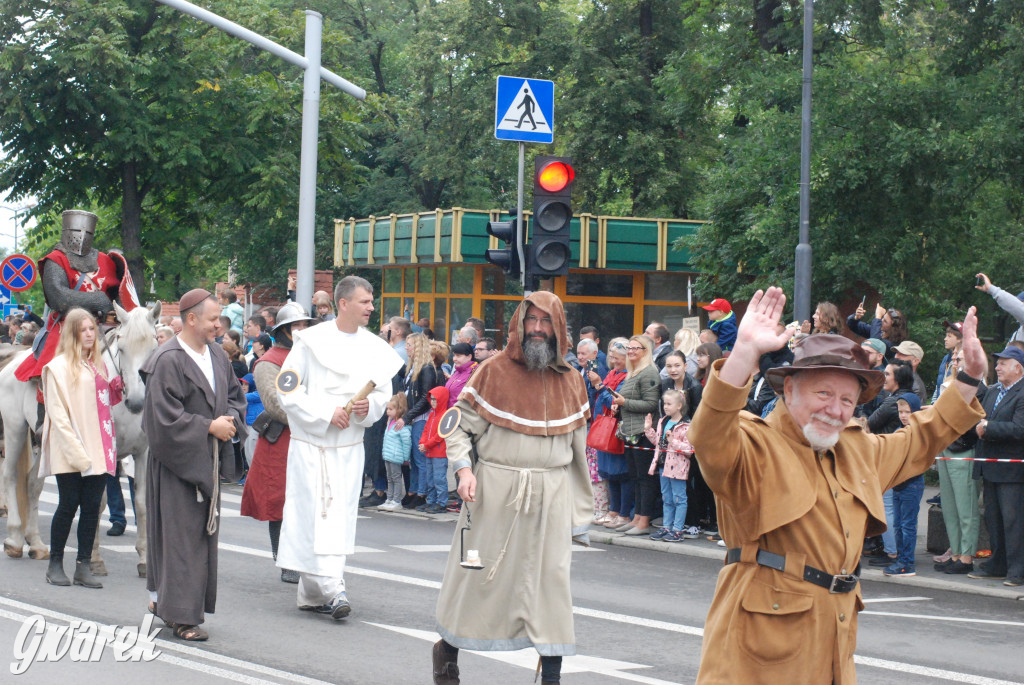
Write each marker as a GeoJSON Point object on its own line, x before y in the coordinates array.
{"type": "Point", "coordinates": [310, 63]}
{"type": "Point", "coordinates": [802, 267]}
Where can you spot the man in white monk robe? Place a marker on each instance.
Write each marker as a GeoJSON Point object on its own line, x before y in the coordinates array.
{"type": "Point", "coordinates": [328, 366]}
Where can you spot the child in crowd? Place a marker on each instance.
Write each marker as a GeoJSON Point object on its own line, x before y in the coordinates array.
{"type": "Point", "coordinates": [254, 407]}
{"type": "Point", "coordinates": [906, 503]}
{"type": "Point", "coordinates": [433, 445]}
{"type": "Point", "coordinates": [672, 457]}
{"type": "Point", "coordinates": [396, 450]}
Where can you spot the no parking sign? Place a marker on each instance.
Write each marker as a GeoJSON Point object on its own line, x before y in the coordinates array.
{"type": "Point", "coordinates": [18, 273]}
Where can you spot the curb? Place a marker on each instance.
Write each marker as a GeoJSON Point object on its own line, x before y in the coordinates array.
{"type": "Point", "coordinates": [980, 587]}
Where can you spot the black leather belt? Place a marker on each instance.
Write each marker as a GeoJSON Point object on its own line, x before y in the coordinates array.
{"type": "Point", "coordinates": [834, 584]}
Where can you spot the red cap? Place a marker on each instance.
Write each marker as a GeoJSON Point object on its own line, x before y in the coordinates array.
{"type": "Point", "coordinates": [718, 304]}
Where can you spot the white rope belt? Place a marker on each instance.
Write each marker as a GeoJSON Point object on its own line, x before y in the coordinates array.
{"type": "Point", "coordinates": [521, 502]}
{"type": "Point", "coordinates": [326, 496]}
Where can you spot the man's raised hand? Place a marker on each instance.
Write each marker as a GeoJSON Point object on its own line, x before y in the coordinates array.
{"type": "Point", "coordinates": [758, 329]}
{"type": "Point", "coordinates": [975, 361]}
{"type": "Point", "coordinates": [757, 334]}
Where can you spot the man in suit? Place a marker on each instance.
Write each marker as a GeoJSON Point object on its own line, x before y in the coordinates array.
{"type": "Point", "coordinates": [1001, 436]}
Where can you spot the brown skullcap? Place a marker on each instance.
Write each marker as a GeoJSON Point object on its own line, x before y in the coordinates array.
{"type": "Point", "coordinates": [192, 298]}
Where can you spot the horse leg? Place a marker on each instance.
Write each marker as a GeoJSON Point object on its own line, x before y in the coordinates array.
{"type": "Point", "coordinates": [3, 491]}
{"type": "Point", "coordinates": [141, 462]}
{"type": "Point", "coordinates": [33, 489]}
{"type": "Point", "coordinates": [96, 565]}
{"type": "Point", "coordinates": [15, 439]}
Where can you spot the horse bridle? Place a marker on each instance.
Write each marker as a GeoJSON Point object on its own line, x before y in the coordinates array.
{"type": "Point", "coordinates": [106, 349]}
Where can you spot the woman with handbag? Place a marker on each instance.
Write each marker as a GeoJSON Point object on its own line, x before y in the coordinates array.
{"type": "Point", "coordinates": [638, 397]}
{"type": "Point", "coordinates": [421, 377]}
{"type": "Point", "coordinates": [603, 436]}
{"type": "Point", "coordinates": [78, 440]}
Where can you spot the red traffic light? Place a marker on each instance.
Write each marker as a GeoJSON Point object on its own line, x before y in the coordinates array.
{"type": "Point", "coordinates": [555, 176]}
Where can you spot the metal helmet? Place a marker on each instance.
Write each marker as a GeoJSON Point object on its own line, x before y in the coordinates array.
{"type": "Point", "coordinates": [79, 227]}
{"type": "Point", "coordinates": [290, 313]}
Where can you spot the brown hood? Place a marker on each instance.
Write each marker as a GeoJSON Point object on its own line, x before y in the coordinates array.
{"type": "Point", "coordinates": [508, 394]}
{"type": "Point", "coordinates": [552, 306]}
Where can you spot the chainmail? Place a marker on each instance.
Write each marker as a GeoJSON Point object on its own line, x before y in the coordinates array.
{"type": "Point", "coordinates": [62, 297]}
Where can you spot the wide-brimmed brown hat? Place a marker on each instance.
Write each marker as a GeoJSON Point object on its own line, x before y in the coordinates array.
{"type": "Point", "coordinates": [831, 353]}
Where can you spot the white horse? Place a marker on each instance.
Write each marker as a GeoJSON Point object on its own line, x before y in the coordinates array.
{"type": "Point", "coordinates": [128, 346]}
{"type": "Point", "coordinates": [20, 480]}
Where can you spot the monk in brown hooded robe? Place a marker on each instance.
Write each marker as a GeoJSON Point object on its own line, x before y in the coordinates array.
{"type": "Point", "coordinates": [524, 414]}
{"type": "Point", "coordinates": [194, 406]}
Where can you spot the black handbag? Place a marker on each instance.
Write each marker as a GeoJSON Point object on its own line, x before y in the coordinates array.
{"type": "Point", "coordinates": [269, 428]}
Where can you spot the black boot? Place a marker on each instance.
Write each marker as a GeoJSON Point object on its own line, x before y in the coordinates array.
{"type": "Point", "coordinates": [55, 571]}
{"type": "Point", "coordinates": [84, 577]}
{"type": "Point", "coordinates": [446, 670]}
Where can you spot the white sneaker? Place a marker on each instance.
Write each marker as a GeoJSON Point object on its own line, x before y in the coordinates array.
{"type": "Point", "coordinates": [386, 506]}
{"type": "Point", "coordinates": [394, 505]}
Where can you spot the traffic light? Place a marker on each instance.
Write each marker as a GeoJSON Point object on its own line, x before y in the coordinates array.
{"type": "Point", "coordinates": [506, 258]}
{"type": "Point", "coordinates": [550, 247]}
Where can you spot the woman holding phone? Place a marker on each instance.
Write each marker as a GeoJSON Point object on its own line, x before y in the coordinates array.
{"type": "Point", "coordinates": [637, 397]}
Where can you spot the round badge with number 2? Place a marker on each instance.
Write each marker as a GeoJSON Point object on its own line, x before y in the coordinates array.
{"type": "Point", "coordinates": [287, 381]}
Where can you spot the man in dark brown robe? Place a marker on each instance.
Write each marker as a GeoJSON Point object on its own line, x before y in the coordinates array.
{"type": "Point", "coordinates": [194, 406]}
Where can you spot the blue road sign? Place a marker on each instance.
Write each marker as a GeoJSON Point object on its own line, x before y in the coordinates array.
{"type": "Point", "coordinates": [17, 272]}
{"type": "Point", "coordinates": [5, 296]}
{"type": "Point", "coordinates": [524, 110]}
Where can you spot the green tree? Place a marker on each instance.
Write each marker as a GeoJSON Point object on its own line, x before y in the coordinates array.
{"type": "Point", "coordinates": [190, 133]}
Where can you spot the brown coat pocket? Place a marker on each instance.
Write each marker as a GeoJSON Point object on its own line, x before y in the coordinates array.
{"type": "Point", "coordinates": [772, 625]}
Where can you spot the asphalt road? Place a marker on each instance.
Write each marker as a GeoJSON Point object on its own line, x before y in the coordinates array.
{"type": "Point", "coordinates": [639, 618]}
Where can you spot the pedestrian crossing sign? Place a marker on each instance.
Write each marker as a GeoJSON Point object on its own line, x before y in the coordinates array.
{"type": "Point", "coordinates": [524, 110]}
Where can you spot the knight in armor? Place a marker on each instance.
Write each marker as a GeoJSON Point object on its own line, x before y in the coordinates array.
{"type": "Point", "coordinates": [75, 274]}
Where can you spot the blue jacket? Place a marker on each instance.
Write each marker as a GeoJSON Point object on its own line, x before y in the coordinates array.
{"type": "Point", "coordinates": [397, 443]}
{"type": "Point", "coordinates": [725, 328]}
{"type": "Point", "coordinates": [254, 408]}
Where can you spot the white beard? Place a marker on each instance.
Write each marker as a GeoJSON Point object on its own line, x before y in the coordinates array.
{"type": "Point", "coordinates": [818, 440]}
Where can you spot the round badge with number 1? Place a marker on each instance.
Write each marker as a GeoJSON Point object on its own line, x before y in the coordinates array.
{"type": "Point", "coordinates": [287, 381]}
{"type": "Point", "coordinates": [449, 422]}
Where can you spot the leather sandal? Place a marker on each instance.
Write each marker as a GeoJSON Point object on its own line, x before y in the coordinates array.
{"type": "Point", "coordinates": [190, 633]}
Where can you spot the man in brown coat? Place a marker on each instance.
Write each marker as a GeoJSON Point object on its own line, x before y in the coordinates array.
{"type": "Point", "coordinates": [194, 406]}
{"type": "Point", "coordinates": [798, 492]}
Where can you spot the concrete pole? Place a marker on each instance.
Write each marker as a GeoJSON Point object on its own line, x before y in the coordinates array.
{"type": "Point", "coordinates": [304, 263]}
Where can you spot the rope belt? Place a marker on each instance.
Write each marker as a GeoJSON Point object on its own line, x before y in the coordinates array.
{"type": "Point", "coordinates": [521, 502]}
{"type": "Point", "coordinates": [326, 496]}
{"type": "Point", "coordinates": [212, 513]}
{"type": "Point", "coordinates": [834, 584]}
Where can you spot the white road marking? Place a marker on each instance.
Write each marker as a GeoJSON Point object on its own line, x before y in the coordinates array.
{"type": "Point", "coordinates": [424, 548]}
{"type": "Point", "coordinates": [120, 549]}
{"type": "Point", "coordinates": [527, 658]}
{"type": "Point", "coordinates": [879, 600]}
{"type": "Point", "coordinates": [446, 548]}
{"type": "Point", "coordinates": [955, 619]}
{"type": "Point", "coordinates": [931, 672]}
{"type": "Point", "coordinates": [164, 646]}
{"type": "Point", "coordinates": [636, 620]}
